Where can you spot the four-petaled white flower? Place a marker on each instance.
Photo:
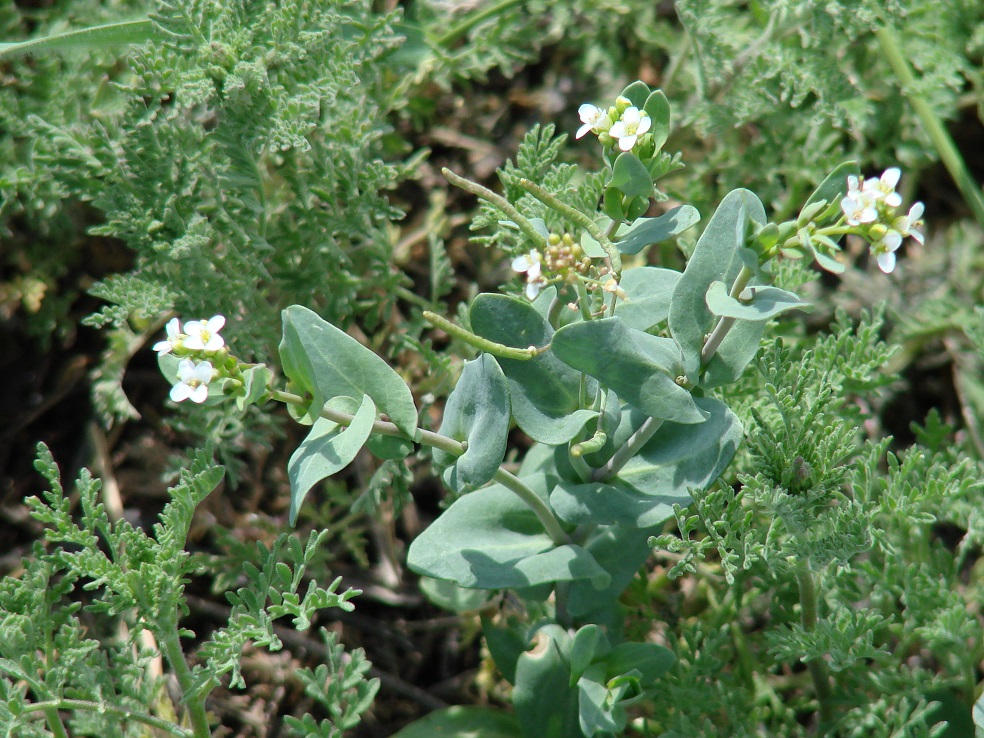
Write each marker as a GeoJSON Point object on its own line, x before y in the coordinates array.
{"type": "Point", "coordinates": [174, 337]}
{"type": "Point", "coordinates": [204, 335]}
{"type": "Point", "coordinates": [591, 116]}
{"type": "Point", "coordinates": [859, 207]}
{"type": "Point", "coordinates": [530, 265]}
{"type": "Point", "coordinates": [906, 225]}
{"type": "Point", "coordinates": [633, 124]}
{"type": "Point", "coordinates": [193, 381]}
{"type": "Point", "coordinates": [884, 250]}
{"type": "Point", "coordinates": [883, 188]}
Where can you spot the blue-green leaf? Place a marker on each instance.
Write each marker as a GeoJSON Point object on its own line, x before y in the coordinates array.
{"type": "Point", "coordinates": [546, 704]}
{"type": "Point", "coordinates": [650, 659]}
{"type": "Point", "coordinates": [328, 448]}
{"type": "Point", "coordinates": [544, 392]}
{"type": "Point", "coordinates": [676, 459]}
{"type": "Point", "coordinates": [597, 712]}
{"type": "Point", "coordinates": [637, 93]}
{"type": "Point", "coordinates": [649, 291]}
{"type": "Point", "coordinates": [762, 302]}
{"type": "Point", "coordinates": [716, 258]}
{"type": "Point", "coordinates": [647, 231]}
{"type": "Point", "coordinates": [734, 354]}
{"type": "Point", "coordinates": [256, 385]}
{"type": "Point", "coordinates": [489, 539]}
{"type": "Point", "coordinates": [325, 362]}
{"type": "Point", "coordinates": [833, 188]}
{"type": "Point", "coordinates": [477, 411]}
{"type": "Point", "coordinates": [630, 176]}
{"type": "Point", "coordinates": [639, 367]}
{"type": "Point", "coordinates": [658, 108]}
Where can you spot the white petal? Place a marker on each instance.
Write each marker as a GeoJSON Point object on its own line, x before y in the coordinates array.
{"type": "Point", "coordinates": [186, 370]}
{"type": "Point", "coordinates": [215, 323]}
{"type": "Point", "coordinates": [886, 261]}
{"type": "Point", "coordinates": [533, 289]}
{"type": "Point", "coordinates": [891, 178]}
{"type": "Point", "coordinates": [194, 343]}
{"type": "Point", "coordinates": [163, 347]}
{"type": "Point", "coordinates": [583, 130]}
{"type": "Point", "coordinates": [522, 263]}
{"type": "Point", "coordinates": [644, 125]}
{"type": "Point", "coordinates": [173, 329]}
{"type": "Point", "coordinates": [916, 212]}
{"type": "Point", "coordinates": [627, 142]}
{"type": "Point", "coordinates": [202, 372]}
{"type": "Point", "coordinates": [199, 394]}
{"type": "Point", "coordinates": [618, 130]}
{"type": "Point", "coordinates": [180, 392]}
{"type": "Point", "coordinates": [589, 113]}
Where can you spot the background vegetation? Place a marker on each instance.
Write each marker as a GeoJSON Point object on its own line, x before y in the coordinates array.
{"type": "Point", "coordinates": [239, 157]}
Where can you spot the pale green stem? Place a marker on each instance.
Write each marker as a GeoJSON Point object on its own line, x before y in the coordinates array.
{"type": "Point", "coordinates": [808, 616]}
{"type": "Point", "coordinates": [453, 447]}
{"type": "Point", "coordinates": [382, 427]}
{"type": "Point", "coordinates": [949, 154]}
{"type": "Point", "coordinates": [724, 324]}
{"type": "Point", "coordinates": [621, 457]}
{"type": "Point", "coordinates": [531, 498]}
{"type": "Point", "coordinates": [578, 217]}
{"type": "Point", "coordinates": [470, 22]}
{"type": "Point", "coordinates": [583, 301]}
{"type": "Point", "coordinates": [500, 202]}
{"type": "Point", "coordinates": [483, 344]}
{"type": "Point", "coordinates": [52, 718]}
{"type": "Point", "coordinates": [170, 641]}
{"type": "Point", "coordinates": [139, 717]}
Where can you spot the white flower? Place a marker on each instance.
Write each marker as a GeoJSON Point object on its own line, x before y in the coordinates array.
{"type": "Point", "coordinates": [884, 250]}
{"type": "Point", "coordinates": [883, 188]}
{"type": "Point", "coordinates": [633, 124]}
{"type": "Point", "coordinates": [590, 117]}
{"type": "Point", "coordinates": [530, 264]}
{"type": "Point", "coordinates": [204, 336]}
{"type": "Point", "coordinates": [174, 338]}
{"type": "Point", "coordinates": [858, 206]}
{"type": "Point", "coordinates": [194, 379]}
{"type": "Point", "coordinates": [906, 225]}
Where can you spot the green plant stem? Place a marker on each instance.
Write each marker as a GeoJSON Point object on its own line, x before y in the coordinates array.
{"type": "Point", "coordinates": [383, 427]}
{"type": "Point", "coordinates": [483, 344]}
{"type": "Point", "coordinates": [949, 154]}
{"type": "Point", "coordinates": [52, 717]}
{"type": "Point", "coordinates": [621, 457]}
{"type": "Point", "coordinates": [808, 616]}
{"type": "Point", "coordinates": [540, 508]}
{"type": "Point", "coordinates": [455, 32]}
{"type": "Point", "coordinates": [169, 638]}
{"type": "Point", "coordinates": [724, 325]}
{"type": "Point", "coordinates": [56, 705]}
{"type": "Point", "coordinates": [500, 202]}
{"type": "Point", "coordinates": [578, 217]}
{"type": "Point", "coordinates": [451, 446]}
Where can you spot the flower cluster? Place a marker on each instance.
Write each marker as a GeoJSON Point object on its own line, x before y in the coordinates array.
{"type": "Point", "coordinates": [562, 257]}
{"type": "Point", "coordinates": [872, 206]}
{"type": "Point", "coordinates": [623, 123]}
{"type": "Point", "coordinates": [198, 339]}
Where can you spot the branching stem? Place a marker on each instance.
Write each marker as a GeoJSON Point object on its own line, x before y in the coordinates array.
{"type": "Point", "coordinates": [724, 324]}
{"type": "Point", "coordinates": [636, 441]}
{"type": "Point", "coordinates": [451, 446]}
